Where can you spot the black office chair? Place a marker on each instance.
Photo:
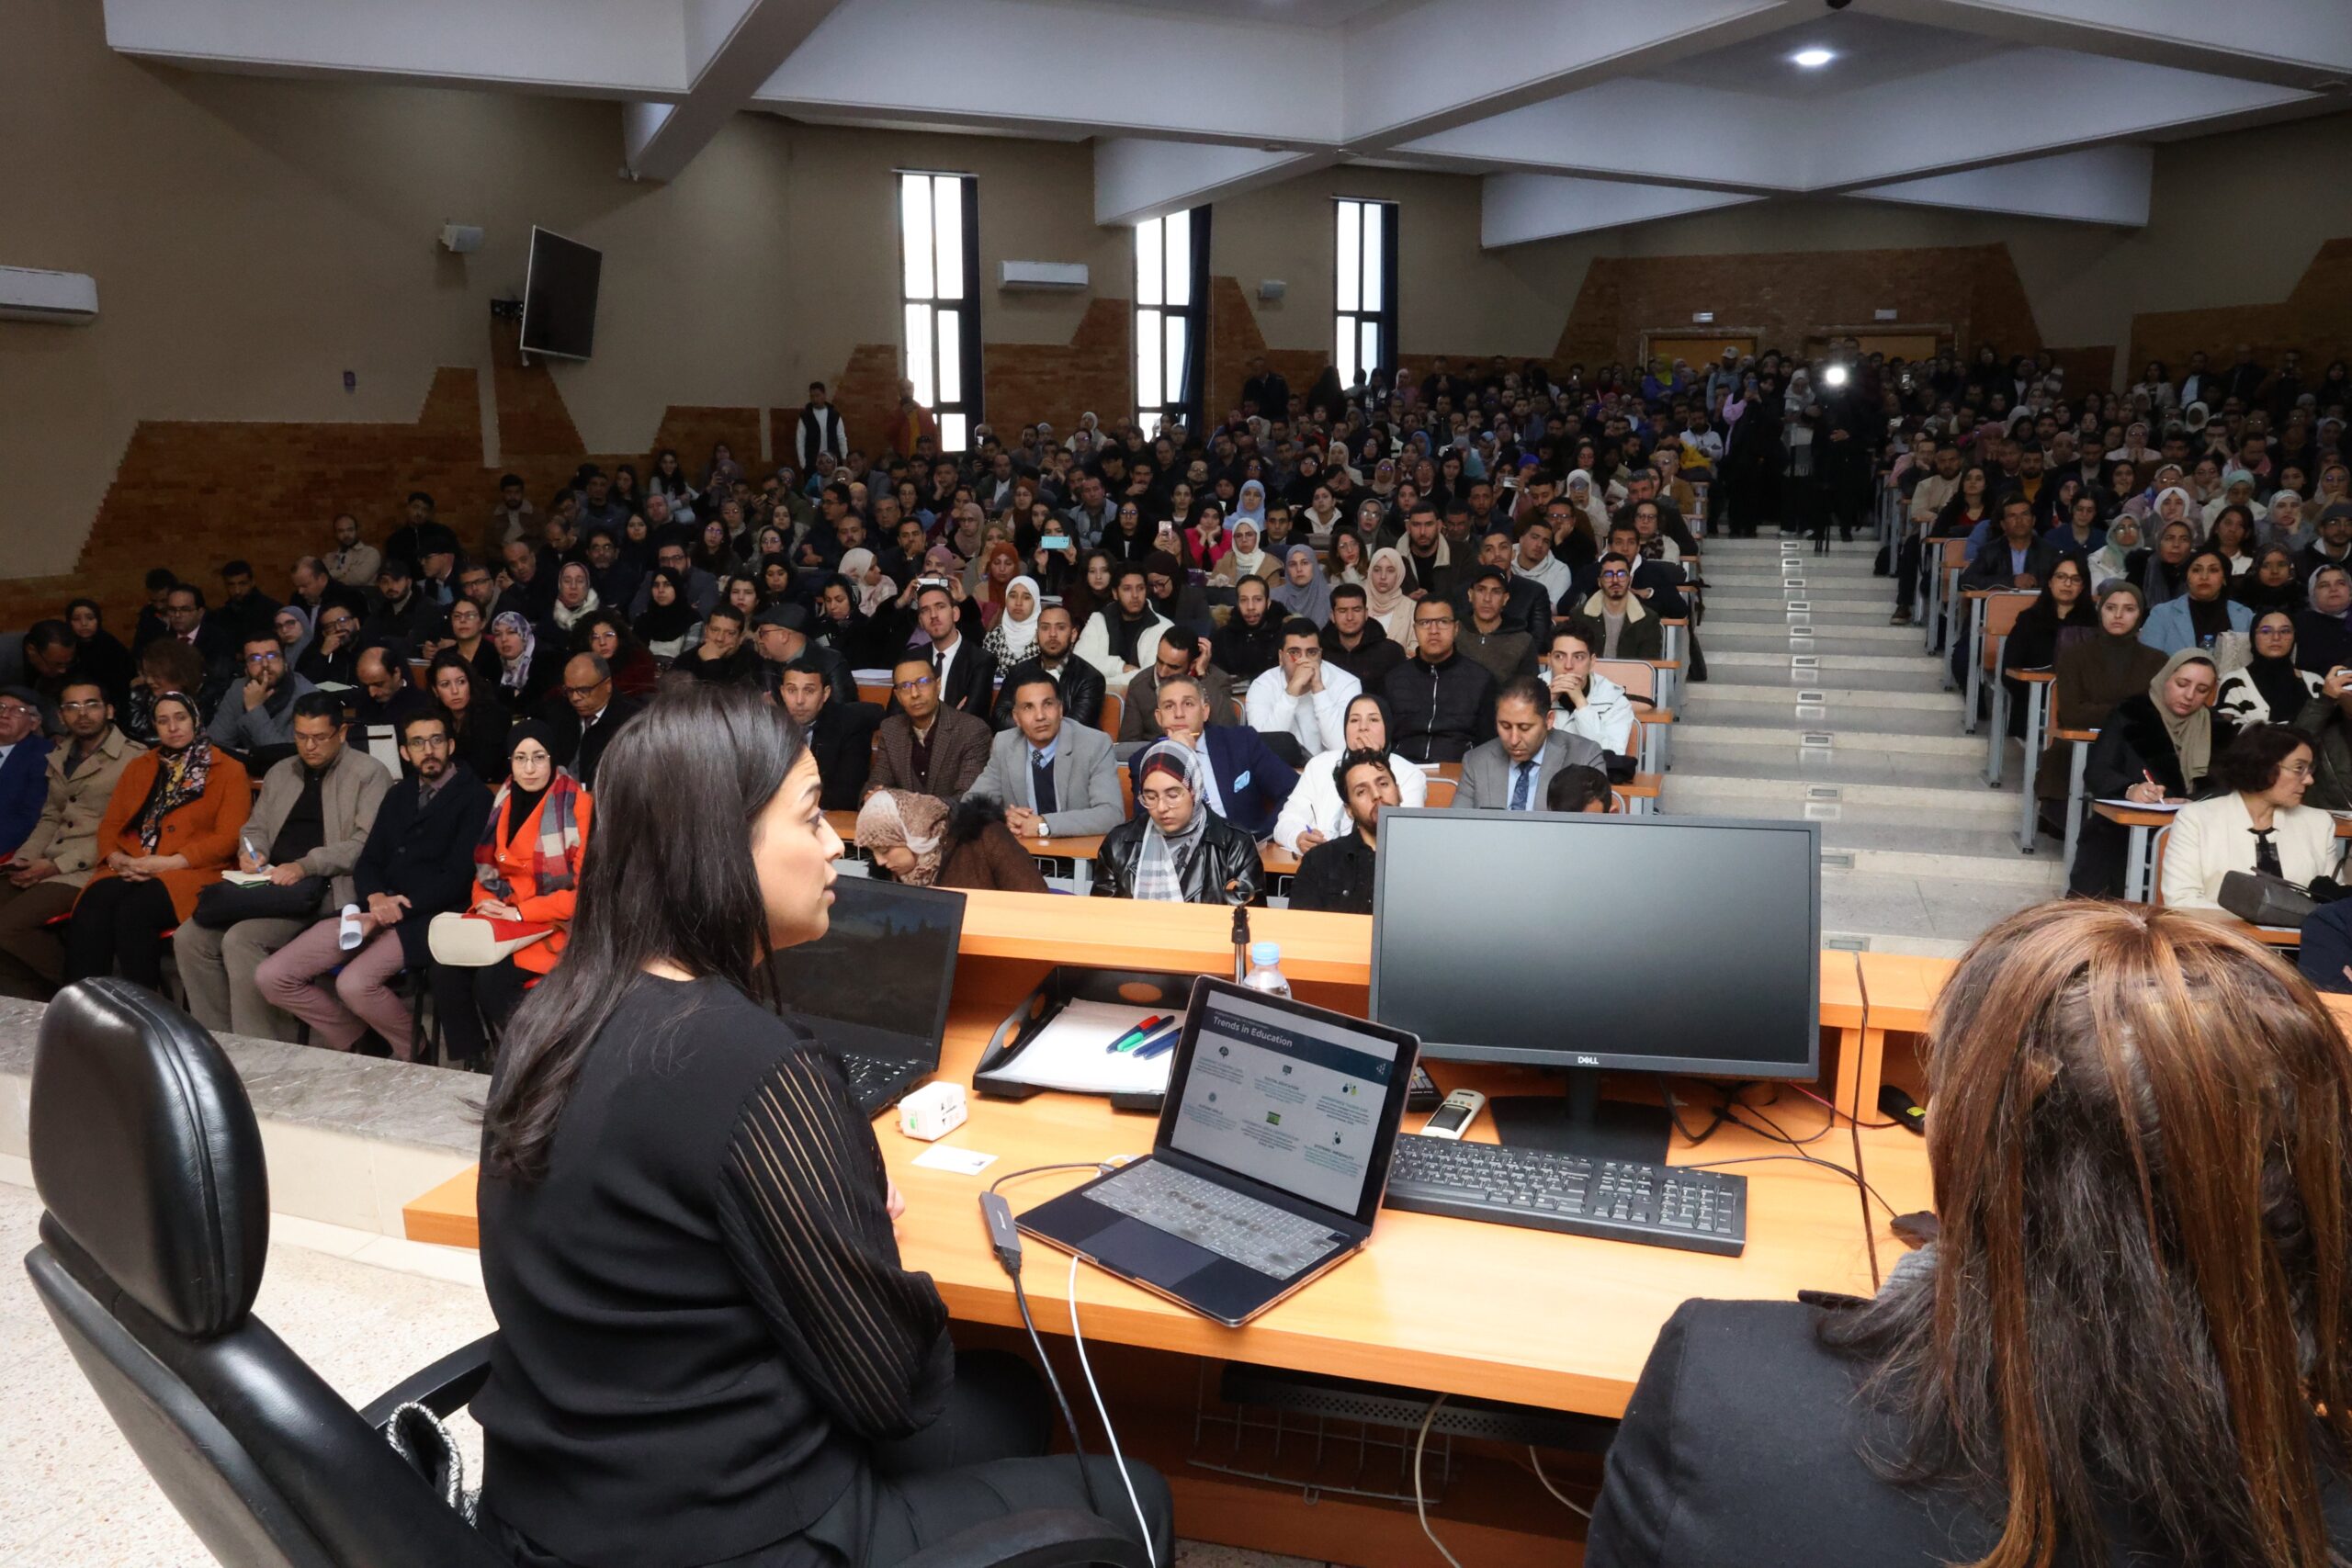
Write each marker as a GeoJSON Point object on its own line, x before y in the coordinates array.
{"type": "Point", "coordinates": [149, 1164]}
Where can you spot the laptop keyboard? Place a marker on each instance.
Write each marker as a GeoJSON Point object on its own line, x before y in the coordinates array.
{"type": "Point", "coordinates": [877, 1082]}
{"type": "Point", "coordinates": [1257, 1236]}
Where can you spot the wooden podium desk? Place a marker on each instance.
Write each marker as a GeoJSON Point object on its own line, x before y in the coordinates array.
{"type": "Point", "coordinates": [1468, 1309]}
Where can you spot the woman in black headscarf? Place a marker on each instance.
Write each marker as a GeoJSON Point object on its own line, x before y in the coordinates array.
{"type": "Point", "coordinates": [666, 628]}
{"type": "Point", "coordinates": [2272, 584]}
{"type": "Point", "coordinates": [2323, 632]}
{"type": "Point", "coordinates": [863, 642]}
{"type": "Point", "coordinates": [98, 654]}
{"type": "Point", "coordinates": [2094, 674]}
{"type": "Point", "coordinates": [2162, 567]}
{"type": "Point", "coordinates": [2268, 689]}
{"type": "Point", "coordinates": [1172, 589]}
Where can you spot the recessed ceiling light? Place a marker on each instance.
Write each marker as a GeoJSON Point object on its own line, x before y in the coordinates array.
{"type": "Point", "coordinates": [1813, 58]}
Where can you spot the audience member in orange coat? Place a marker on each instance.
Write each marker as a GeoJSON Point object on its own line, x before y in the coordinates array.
{"type": "Point", "coordinates": [170, 829]}
{"type": "Point", "coordinates": [528, 869]}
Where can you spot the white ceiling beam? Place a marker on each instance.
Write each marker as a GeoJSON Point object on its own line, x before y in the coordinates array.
{"type": "Point", "coordinates": [1515, 209]}
{"type": "Point", "coordinates": [2291, 43]}
{"type": "Point", "coordinates": [602, 47]}
{"type": "Point", "coordinates": [1136, 178]}
{"type": "Point", "coordinates": [732, 47]}
{"type": "Point", "coordinates": [2024, 104]}
{"type": "Point", "coordinates": [1039, 67]}
{"type": "Point", "coordinates": [2097, 184]}
{"type": "Point", "coordinates": [1711, 141]}
{"type": "Point", "coordinates": [1425, 69]}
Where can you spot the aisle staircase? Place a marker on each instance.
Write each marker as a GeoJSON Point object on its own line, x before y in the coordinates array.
{"type": "Point", "coordinates": [1824, 711]}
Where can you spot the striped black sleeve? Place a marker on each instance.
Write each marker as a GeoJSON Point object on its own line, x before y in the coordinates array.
{"type": "Point", "coordinates": [802, 1209]}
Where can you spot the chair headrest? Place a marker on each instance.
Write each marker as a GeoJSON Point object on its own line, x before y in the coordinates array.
{"type": "Point", "coordinates": [146, 1154]}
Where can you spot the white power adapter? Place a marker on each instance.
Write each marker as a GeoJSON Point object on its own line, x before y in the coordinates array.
{"type": "Point", "coordinates": [933, 1111]}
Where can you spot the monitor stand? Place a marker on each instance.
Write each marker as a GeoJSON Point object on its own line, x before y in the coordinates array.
{"type": "Point", "coordinates": [1581, 1123]}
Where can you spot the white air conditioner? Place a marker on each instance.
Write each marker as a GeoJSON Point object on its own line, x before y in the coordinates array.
{"type": "Point", "coordinates": [1062, 275]}
{"type": "Point", "coordinates": [60, 298]}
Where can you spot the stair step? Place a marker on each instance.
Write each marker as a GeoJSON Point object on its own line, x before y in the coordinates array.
{"type": "Point", "coordinates": [1951, 911]}
{"type": "Point", "coordinates": [1901, 648]}
{"type": "Point", "coordinates": [1889, 731]}
{"type": "Point", "coordinates": [1835, 699]}
{"type": "Point", "coordinates": [1893, 839]}
{"type": "Point", "coordinates": [1849, 672]}
{"type": "Point", "coordinates": [1866, 621]}
{"type": "Point", "coordinates": [1916, 785]}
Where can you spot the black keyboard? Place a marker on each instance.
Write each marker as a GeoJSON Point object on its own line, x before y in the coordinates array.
{"type": "Point", "coordinates": [1658, 1205]}
{"type": "Point", "coordinates": [877, 1082]}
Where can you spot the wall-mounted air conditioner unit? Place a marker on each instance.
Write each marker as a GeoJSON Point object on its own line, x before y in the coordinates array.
{"type": "Point", "coordinates": [60, 298]}
{"type": "Point", "coordinates": [1055, 275]}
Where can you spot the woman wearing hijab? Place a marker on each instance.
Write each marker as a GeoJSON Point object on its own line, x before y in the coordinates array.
{"type": "Point", "coordinates": [1384, 597]}
{"type": "Point", "coordinates": [2156, 749]}
{"type": "Point", "coordinates": [2269, 689]}
{"type": "Point", "coordinates": [2271, 584]}
{"type": "Point", "coordinates": [1304, 590]}
{"type": "Point", "coordinates": [2323, 632]}
{"type": "Point", "coordinates": [2204, 616]}
{"type": "Point", "coordinates": [864, 577]}
{"type": "Point", "coordinates": [2237, 490]}
{"type": "Point", "coordinates": [524, 674]}
{"type": "Point", "coordinates": [1014, 635]}
{"type": "Point", "coordinates": [923, 841]}
{"type": "Point", "coordinates": [1584, 495]}
{"type": "Point", "coordinates": [1246, 558]}
{"type": "Point", "coordinates": [2163, 568]}
{"type": "Point", "coordinates": [2112, 561]}
{"type": "Point", "coordinates": [999, 565]}
{"type": "Point", "coordinates": [1174, 850]}
{"type": "Point", "coordinates": [169, 830]}
{"type": "Point", "coordinates": [1318, 809]}
{"type": "Point", "coordinates": [98, 654]}
{"type": "Point", "coordinates": [668, 625]}
{"type": "Point", "coordinates": [1249, 508]}
{"type": "Point", "coordinates": [526, 868]}
{"type": "Point", "coordinates": [291, 625]}
{"type": "Point", "coordinates": [1172, 589]}
{"type": "Point", "coordinates": [575, 600]}
{"type": "Point", "coordinates": [2094, 675]}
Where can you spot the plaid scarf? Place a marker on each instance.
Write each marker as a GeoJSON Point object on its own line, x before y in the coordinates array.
{"type": "Point", "coordinates": [178, 780]}
{"type": "Point", "coordinates": [553, 857]}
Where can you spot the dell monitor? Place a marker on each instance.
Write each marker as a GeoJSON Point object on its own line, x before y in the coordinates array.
{"type": "Point", "coordinates": [1593, 942]}
{"type": "Point", "coordinates": [560, 297]}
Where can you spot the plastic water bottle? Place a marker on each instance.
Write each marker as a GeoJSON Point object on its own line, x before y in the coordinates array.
{"type": "Point", "coordinates": [1265, 969]}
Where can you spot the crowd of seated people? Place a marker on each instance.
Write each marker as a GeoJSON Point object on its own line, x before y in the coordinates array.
{"type": "Point", "coordinates": [1424, 571]}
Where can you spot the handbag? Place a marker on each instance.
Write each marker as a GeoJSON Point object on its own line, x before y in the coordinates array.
{"type": "Point", "coordinates": [220, 905]}
{"type": "Point", "coordinates": [2266, 900]}
{"type": "Point", "coordinates": [475, 942]}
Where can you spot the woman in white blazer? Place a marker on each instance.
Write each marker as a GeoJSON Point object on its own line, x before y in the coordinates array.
{"type": "Point", "coordinates": [2260, 824]}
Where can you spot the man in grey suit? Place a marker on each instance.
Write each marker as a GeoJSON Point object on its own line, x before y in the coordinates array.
{"type": "Point", "coordinates": [1511, 771]}
{"type": "Point", "coordinates": [1054, 778]}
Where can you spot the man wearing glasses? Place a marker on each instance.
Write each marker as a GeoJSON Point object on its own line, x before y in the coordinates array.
{"type": "Point", "coordinates": [1443, 703]}
{"type": "Point", "coordinates": [418, 862]}
{"type": "Point", "coordinates": [924, 746]}
{"type": "Point", "coordinates": [597, 713]}
{"type": "Point", "coordinates": [1621, 626]}
{"type": "Point", "coordinates": [333, 653]}
{"type": "Point", "coordinates": [45, 876]}
{"type": "Point", "coordinates": [256, 720]}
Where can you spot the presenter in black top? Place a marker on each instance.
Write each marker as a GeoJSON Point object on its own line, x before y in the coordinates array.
{"type": "Point", "coordinates": [708, 1352]}
{"type": "Point", "coordinates": [2130, 1342]}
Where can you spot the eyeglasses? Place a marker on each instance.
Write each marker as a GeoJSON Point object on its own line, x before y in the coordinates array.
{"type": "Point", "coordinates": [269, 658]}
{"type": "Point", "coordinates": [2295, 769]}
{"type": "Point", "coordinates": [426, 743]}
{"type": "Point", "coordinates": [573, 691]}
{"type": "Point", "coordinates": [17, 710]}
{"type": "Point", "coordinates": [917, 685]}
{"type": "Point", "coordinates": [87, 705]}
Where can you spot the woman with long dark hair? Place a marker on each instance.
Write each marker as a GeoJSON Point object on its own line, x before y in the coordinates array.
{"type": "Point", "coordinates": [708, 1350]}
{"type": "Point", "coordinates": [2128, 1343]}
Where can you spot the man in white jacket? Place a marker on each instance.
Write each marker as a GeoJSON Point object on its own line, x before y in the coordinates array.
{"type": "Point", "coordinates": [1584, 701]}
{"type": "Point", "coordinates": [1123, 635]}
{"type": "Point", "coordinates": [1535, 561]}
{"type": "Point", "coordinates": [1301, 696]}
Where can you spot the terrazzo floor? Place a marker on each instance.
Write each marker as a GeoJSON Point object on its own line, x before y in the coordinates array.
{"type": "Point", "coordinates": [76, 1497]}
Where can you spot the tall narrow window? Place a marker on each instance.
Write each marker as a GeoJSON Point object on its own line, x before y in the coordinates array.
{"type": "Point", "coordinates": [1171, 319]}
{"type": "Point", "coordinates": [1364, 331]}
{"type": "Point", "coordinates": [939, 246]}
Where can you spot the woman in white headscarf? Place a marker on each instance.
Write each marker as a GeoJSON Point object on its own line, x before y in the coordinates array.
{"type": "Point", "coordinates": [1384, 597]}
{"type": "Point", "coordinates": [1247, 557]}
{"type": "Point", "coordinates": [1014, 635]}
{"type": "Point", "coordinates": [1585, 496]}
{"type": "Point", "coordinates": [866, 580]}
{"type": "Point", "coordinates": [2237, 490]}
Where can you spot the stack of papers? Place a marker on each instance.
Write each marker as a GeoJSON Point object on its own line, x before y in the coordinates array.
{"type": "Point", "coordinates": [1070, 1054]}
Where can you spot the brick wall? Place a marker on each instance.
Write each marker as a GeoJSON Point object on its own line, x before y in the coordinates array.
{"type": "Point", "coordinates": [2315, 317]}
{"type": "Point", "coordinates": [1974, 292]}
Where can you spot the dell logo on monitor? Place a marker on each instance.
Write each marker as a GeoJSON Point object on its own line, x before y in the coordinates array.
{"type": "Point", "coordinates": [1583, 1061]}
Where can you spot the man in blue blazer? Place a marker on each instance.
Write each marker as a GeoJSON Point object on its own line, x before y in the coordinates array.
{"type": "Point", "coordinates": [1248, 784]}
{"type": "Point", "coordinates": [24, 766]}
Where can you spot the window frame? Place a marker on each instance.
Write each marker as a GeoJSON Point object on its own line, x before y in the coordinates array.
{"type": "Point", "coordinates": [1353, 319]}
{"type": "Point", "coordinates": [1148, 321]}
{"type": "Point", "coordinates": [960, 415]}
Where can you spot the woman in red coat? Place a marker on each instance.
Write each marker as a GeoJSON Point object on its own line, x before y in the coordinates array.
{"type": "Point", "coordinates": [526, 868]}
{"type": "Point", "coordinates": [170, 829]}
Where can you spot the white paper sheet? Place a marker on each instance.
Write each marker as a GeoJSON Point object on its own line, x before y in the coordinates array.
{"type": "Point", "coordinates": [1068, 1054]}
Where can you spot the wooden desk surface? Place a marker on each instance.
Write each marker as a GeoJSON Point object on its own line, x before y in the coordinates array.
{"type": "Point", "coordinates": [1480, 1310]}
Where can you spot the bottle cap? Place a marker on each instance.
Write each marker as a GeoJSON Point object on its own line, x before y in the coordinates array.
{"type": "Point", "coordinates": [1266, 954]}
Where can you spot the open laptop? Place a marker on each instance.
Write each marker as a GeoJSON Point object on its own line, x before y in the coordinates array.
{"type": "Point", "coordinates": [875, 987]}
{"type": "Point", "coordinates": [1268, 1164]}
